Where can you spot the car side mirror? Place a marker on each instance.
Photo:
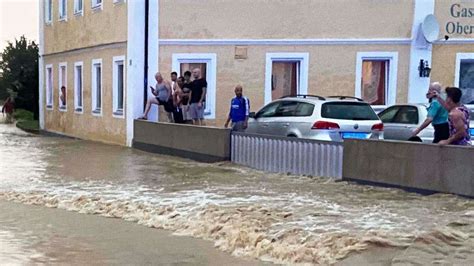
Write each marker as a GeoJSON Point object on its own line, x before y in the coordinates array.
{"type": "Point", "coordinates": [253, 115]}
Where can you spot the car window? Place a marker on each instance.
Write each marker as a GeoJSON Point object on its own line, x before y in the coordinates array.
{"type": "Point", "coordinates": [286, 108]}
{"type": "Point", "coordinates": [407, 115]}
{"type": "Point", "coordinates": [304, 109]}
{"type": "Point", "coordinates": [389, 114]}
{"type": "Point", "coordinates": [269, 110]}
{"type": "Point", "coordinates": [348, 111]}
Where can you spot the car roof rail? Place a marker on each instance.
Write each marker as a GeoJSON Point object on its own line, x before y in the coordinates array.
{"type": "Point", "coordinates": [305, 96]}
{"type": "Point", "coordinates": [342, 97]}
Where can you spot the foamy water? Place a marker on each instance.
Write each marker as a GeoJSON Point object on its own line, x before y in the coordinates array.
{"type": "Point", "coordinates": [272, 217]}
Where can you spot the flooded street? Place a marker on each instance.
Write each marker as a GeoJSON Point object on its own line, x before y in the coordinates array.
{"type": "Point", "coordinates": [247, 213]}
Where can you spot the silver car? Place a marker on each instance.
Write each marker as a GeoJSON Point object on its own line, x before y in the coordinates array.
{"type": "Point", "coordinates": [316, 117]}
{"type": "Point", "coordinates": [401, 120]}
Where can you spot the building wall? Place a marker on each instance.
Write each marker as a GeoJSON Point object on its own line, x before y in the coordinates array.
{"type": "Point", "coordinates": [94, 27]}
{"type": "Point", "coordinates": [99, 33]}
{"type": "Point", "coordinates": [332, 70]}
{"type": "Point", "coordinates": [106, 127]}
{"type": "Point", "coordinates": [190, 19]}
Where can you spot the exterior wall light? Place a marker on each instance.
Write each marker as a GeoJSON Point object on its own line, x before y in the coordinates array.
{"type": "Point", "coordinates": [424, 69]}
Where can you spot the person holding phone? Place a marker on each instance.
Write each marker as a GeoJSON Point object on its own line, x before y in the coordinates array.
{"type": "Point", "coordinates": [162, 93]}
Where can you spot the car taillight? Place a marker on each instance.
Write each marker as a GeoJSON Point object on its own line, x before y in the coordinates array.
{"type": "Point", "coordinates": [325, 125]}
{"type": "Point", "coordinates": [378, 127]}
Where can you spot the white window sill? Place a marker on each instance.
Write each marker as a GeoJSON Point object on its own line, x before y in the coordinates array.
{"type": "Point", "coordinates": [79, 13]}
{"type": "Point", "coordinates": [97, 112]}
{"type": "Point", "coordinates": [119, 2]}
{"type": "Point", "coordinates": [97, 8]}
{"type": "Point", "coordinates": [79, 110]}
{"type": "Point", "coordinates": [118, 114]}
{"type": "Point", "coordinates": [63, 109]}
{"type": "Point", "coordinates": [48, 23]}
{"type": "Point", "coordinates": [63, 19]}
{"type": "Point", "coordinates": [49, 107]}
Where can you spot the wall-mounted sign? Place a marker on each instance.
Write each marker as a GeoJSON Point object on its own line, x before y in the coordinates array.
{"type": "Point", "coordinates": [461, 22]}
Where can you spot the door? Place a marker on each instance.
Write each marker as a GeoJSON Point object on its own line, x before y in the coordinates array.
{"type": "Point", "coordinates": [387, 116]}
{"type": "Point", "coordinates": [403, 123]}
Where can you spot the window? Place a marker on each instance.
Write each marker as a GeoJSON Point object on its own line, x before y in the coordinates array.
{"type": "Point", "coordinates": [464, 76]}
{"type": "Point", "coordinates": [96, 86]}
{"type": "Point", "coordinates": [207, 64]}
{"type": "Point", "coordinates": [96, 4]}
{"type": "Point", "coordinates": [376, 77]}
{"type": "Point", "coordinates": [348, 111]}
{"type": "Point", "coordinates": [118, 86]}
{"type": "Point", "coordinates": [78, 87]}
{"type": "Point", "coordinates": [388, 115]}
{"type": "Point", "coordinates": [285, 74]}
{"type": "Point", "coordinates": [78, 7]}
{"type": "Point", "coordinates": [48, 11]}
{"type": "Point", "coordinates": [286, 108]}
{"type": "Point", "coordinates": [269, 110]}
{"type": "Point", "coordinates": [407, 115]}
{"type": "Point", "coordinates": [304, 109]}
{"type": "Point", "coordinates": [62, 10]}
{"type": "Point", "coordinates": [49, 86]}
{"type": "Point", "coordinates": [374, 81]}
{"type": "Point", "coordinates": [62, 88]}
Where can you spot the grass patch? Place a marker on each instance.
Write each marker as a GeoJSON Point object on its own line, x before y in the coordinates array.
{"type": "Point", "coordinates": [25, 120]}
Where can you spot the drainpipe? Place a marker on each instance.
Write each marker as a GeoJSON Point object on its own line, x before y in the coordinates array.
{"type": "Point", "coordinates": [145, 64]}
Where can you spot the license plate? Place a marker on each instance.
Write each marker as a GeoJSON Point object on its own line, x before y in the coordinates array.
{"type": "Point", "coordinates": [354, 135]}
{"type": "Point", "coordinates": [471, 131]}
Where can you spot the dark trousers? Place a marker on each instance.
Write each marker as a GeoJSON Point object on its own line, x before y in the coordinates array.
{"type": "Point", "coordinates": [178, 115]}
{"type": "Point", "coordinates": [441, 132]}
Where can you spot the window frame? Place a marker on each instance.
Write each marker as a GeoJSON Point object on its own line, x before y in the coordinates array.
{"type": "Point", "coordinates": [457, 74]}
{"type": "Point", "coordinates": [48, 11]}
{"type": "Point", "coordinates": [94, 110]}
{"type": "Point", "coordinates": [60, 84]}
{"type": "Point", "coordinates": [116, 61]}
{"type": "Point", "coordinates": [97, 6]}
{"type": "Point", "coordinates": [62, 17]}
{"type": "Point", "coordinates": [78, 12]}
{"type": "Point", "coordinates": [392, 57]}
{"type": "Point", "coordinates": [210, 59]}
{"type": "Point", "coordinates": [49, 87]}
{"type": "Point", "coordinates": [302, 58]}
{"type": "Point", "coordinates": [78, 109]}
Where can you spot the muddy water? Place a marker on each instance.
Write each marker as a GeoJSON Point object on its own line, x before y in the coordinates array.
{"type": "Point", "coordinates": [278, 218]}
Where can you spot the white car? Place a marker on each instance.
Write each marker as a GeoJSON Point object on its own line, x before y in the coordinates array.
{"type": "Point", "coordinates": [315, 117]}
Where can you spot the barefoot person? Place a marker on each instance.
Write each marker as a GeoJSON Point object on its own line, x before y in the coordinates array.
{"type": "Point", "coordinates": [437, 115]}
{"type": "Point", "coordinates": [239, 111]}
{"type": "Point", "coordinates": [162, 93]}
{"type": "Point", "coordinates": [458, 118]}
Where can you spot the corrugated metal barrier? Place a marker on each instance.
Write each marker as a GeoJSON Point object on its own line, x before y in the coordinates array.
{"type": "Point", "coordinates": [287, 155]}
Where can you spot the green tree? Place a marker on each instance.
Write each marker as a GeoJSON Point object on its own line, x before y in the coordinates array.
{"type": "Point", "coordinates": [19, 74]}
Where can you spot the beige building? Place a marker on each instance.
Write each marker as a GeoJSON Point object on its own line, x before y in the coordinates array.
{"type": "Point", "coordinates": [105, 52]}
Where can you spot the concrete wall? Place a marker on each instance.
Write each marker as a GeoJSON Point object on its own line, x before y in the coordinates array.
{"type": "Point", "coordinates": [427, 167]}
{"type": "Point", "coordinates": [206, 144]}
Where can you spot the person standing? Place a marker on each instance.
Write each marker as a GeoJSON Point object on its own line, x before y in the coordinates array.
{"type": "Point", "coordinates": [8, 109]}
{"type": "Point", "coordinates": [437, 115]}
{"type": "Point", "coordinates": [177, 101]}
{"type": "Point", "coordinates": [198, 97]}
{"type": "Point", "coordinates": [162, 93]}
{"type": "Point", "coordinates": [185, 101]}
{"type": "Point", "coordinates": [239, 111]}
{"type": "Point", "coordinates": [458, 118]}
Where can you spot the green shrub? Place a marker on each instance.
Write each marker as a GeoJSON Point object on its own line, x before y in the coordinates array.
{"type": "Point", "coordinates": [23, 115]}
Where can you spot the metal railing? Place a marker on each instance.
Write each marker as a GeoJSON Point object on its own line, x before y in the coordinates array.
{"type": "Point", "coordinates": [287, 155]}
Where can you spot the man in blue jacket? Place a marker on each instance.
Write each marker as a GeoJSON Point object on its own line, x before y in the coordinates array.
{"type": "Point", "coordinates": [239, 111]}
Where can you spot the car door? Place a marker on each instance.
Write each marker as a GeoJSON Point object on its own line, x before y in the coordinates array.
{"type": "Point", "coordinates": [265, 118]}
{"type": "Point", "coordinates": [387, 116]}
{"type": "Point", "coordinates": [404, 122]}
{"type": "Point", "coordinates": [285, 115]}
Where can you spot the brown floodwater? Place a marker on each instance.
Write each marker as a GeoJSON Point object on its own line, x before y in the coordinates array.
{"type": "Point", "coordinates": [248, 213]}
